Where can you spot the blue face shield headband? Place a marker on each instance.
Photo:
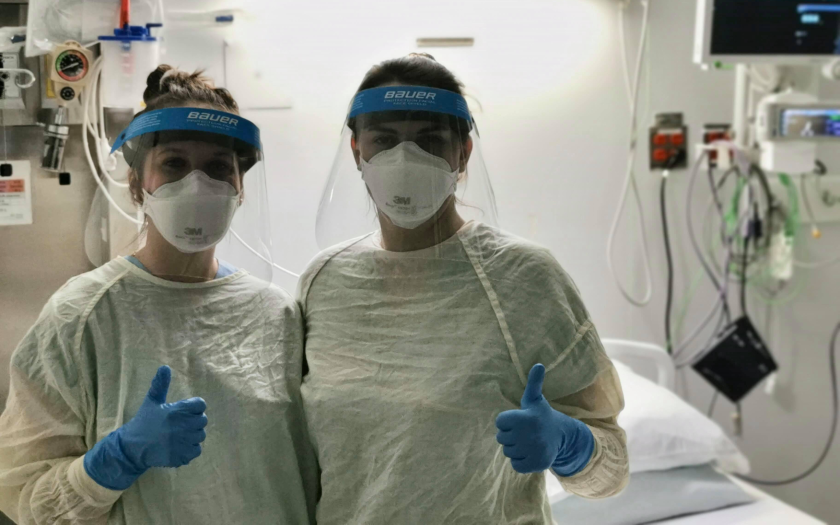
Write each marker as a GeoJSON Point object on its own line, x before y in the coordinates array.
{"type": "Point", "coordinates": [401, 103]}
{"type": "Point", "coordinates": [409, 98]}
{"type": "Point", "coordinates": [184, 124]}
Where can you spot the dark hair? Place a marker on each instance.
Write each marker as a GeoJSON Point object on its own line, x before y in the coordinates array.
{"type": "Point", "coordinates": [414, 69]}
{"type": "Point", "coordinates": [168, 87]}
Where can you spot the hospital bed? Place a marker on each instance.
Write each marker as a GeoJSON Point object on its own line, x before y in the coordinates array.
{"type": "Point", "coordinates": [653, 363]}
{"type": "Point", "coordinates": [766, 510]}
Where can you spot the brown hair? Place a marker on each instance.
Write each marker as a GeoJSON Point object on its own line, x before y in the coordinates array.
{"type": "Point", "coordinates": [167, 87]}
{"type": "Point", "coordinates": [414, 69]}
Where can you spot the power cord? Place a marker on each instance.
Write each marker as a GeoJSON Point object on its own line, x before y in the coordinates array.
{"type": "Point", "coordinates": [832, 360]}
{"type": "Point", "coordinates": [721, 287]}
{"type": "Point", "coordinates": [669, 260]}
{"type": "Point", "coordinates": [753, 232]}
{"type": "Point", "coordinates": [746, 263]}
{"type": "Point", "coordinates": [711, 411]}
{"type": "Point", "coordinates": [669, 300]}
{"type": "Point", "coordinates": [739, 222]}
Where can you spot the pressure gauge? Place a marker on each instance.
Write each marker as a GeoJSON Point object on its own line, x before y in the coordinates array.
{"type": "Point", "coordinates": [70, 71]}
{"type": "Point", "coordinates": [71, 65]}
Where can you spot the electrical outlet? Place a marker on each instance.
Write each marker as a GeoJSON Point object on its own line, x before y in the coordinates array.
{"type": "Point", "coordinates": [713, 133]}
{"type": "Point", "coordinates": [668, 142]}
{"type": "Point", "coordinates": [823, 194]}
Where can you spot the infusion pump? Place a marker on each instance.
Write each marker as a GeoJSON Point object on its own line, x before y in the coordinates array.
{"type": "Point", "coordinates": [789, 126]}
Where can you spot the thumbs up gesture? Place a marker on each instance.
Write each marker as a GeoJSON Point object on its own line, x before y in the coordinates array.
{"type": "Point", "coordinates": [164, 434]}
{"type": "Point", "coordinates": [161, 434]}
{"type": "Point", "coordinates": [537, 437]}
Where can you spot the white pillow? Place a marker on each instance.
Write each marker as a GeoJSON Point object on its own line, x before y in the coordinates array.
{"type": "Point", "coordinates": [665, 432]}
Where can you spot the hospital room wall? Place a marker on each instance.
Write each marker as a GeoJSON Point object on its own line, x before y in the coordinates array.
{"type": "Point", "coordinates": [553, 121]}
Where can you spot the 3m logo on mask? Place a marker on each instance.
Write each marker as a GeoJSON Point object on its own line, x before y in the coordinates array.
{"type": "Point", "coordinates": [212, 117]}
{"type": "Point", "coordinates": [421, 95]}
{"type": "Point", "coordinates": [193, 231]}
{"type": "Point", "coordinates": [403, 201]}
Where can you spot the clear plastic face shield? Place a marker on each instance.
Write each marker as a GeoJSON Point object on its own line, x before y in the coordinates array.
{"type": "Point", "coordinates": [199, 176]}
{"type": "Point", "coordinates": [409, 164]}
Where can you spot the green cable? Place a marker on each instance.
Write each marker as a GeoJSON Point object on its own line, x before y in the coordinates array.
{"type": "Point", "coordinates": [732, 215]}
{"type": "Point", "coordinates": [792, 233]}
{"type": "Point", "coordinates": [792, 220]}
{"type": "Point", "coordinates": [760, 274]}
{"type": "Point", "coordinates": [763, 273]}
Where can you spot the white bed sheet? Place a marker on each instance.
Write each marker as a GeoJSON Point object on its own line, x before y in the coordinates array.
{"type": "Point", "coordinates": [767, 510]}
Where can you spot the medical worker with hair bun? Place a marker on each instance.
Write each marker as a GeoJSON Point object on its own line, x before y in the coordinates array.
{"type": "Point", "coordinates": [164, 387]}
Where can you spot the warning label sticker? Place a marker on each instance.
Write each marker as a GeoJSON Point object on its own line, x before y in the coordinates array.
{"type": "Point", "coordinates": [15, 193]}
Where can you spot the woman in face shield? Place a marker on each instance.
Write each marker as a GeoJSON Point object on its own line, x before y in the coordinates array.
{"type": "Point", "coordinates": [450, 363]}
{"type": "Point", "coordinates": [164, 387]}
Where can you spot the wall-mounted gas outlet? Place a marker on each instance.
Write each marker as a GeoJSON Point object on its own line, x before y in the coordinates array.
{"type": "Point", "coordinates": [669, 142]}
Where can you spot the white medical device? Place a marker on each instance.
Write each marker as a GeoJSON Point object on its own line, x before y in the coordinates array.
{"type": "Point", "coordinates": [788, 128]}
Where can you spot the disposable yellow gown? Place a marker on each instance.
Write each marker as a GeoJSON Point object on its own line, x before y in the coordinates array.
{"type": "Point", "coordinates": [84, 368]}
{"type": "Point", "coordinates": [412, 356]}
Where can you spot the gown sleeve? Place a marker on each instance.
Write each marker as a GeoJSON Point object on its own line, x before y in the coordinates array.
{"type": "Point", "coordinates": [543, 319]}
{"type": "Point", "coordinates": [582, 383]}
{"type": "Point", "coordinates": [598, 405]}
{"type": "Point", "coordinates": [43, 429]}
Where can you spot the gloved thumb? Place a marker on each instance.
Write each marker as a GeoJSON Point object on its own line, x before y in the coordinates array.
{"type": "Point", "coordinates": [160, 385]}
{"type": "Point", "coordinates": [533, 390]}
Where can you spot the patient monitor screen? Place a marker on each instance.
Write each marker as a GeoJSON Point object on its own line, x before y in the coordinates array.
{"type": "Point", "coordinates": [805, 123]}
{"type": "Point", "coordinates": [775, 27]}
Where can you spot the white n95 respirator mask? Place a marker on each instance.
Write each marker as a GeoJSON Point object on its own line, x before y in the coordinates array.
{"type": "Point", "coordinates": [409, 184]}
{"type": "Point", "coordinates": [194, 213]}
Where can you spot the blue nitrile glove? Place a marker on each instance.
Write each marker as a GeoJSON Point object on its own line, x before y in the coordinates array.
{"type": "Point", "coordinates": [161, 434]}
{"type": "Point", "coordinates": [538, 437]}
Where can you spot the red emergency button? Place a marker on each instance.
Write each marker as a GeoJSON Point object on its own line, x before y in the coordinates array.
{"type": "Point", "coordinates": [660, 155]}
{"type": "Point", "coordinates": [677, 139]}
{"type": "Point", "coordinates": [660, 140]}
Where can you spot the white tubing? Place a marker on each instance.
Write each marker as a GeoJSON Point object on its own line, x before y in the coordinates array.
{"type": "Point", "coordinates": [97, 128]}
{"type": "Point", "coordinates": [630, 179]}
{"type": "Point", "coordinates": [809, 265]}
{"type": "Point", "coordinates": [97, 66]}
{"type": "Point", "coordinates": [622, 40]}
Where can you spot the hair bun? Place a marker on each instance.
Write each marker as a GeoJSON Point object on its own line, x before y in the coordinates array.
{"type": "Point", "coordinates": [154, 88]}
{"type": "Point", "coordinates": [169, 86]}
{"type": "Point", "coordinates": [422, 55]}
